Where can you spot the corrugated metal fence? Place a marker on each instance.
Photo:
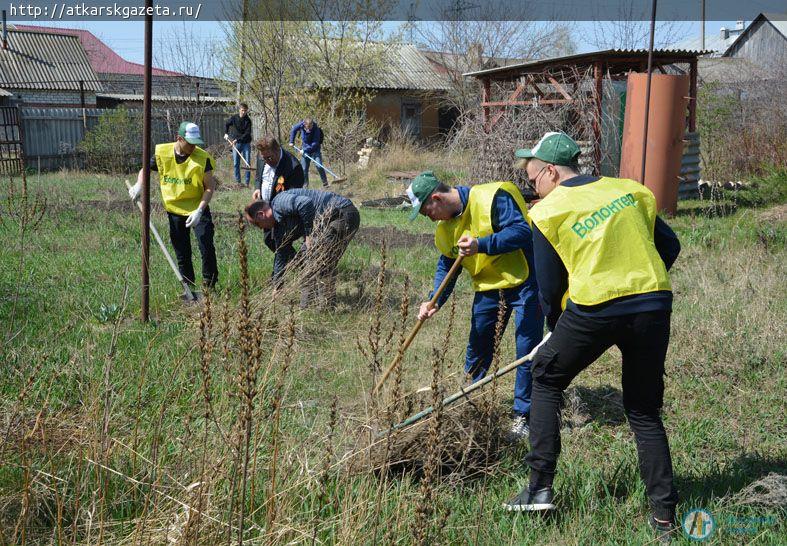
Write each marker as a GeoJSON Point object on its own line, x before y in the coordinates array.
{"type": "Point", "coordinates": [690, 167]}
{"type": "Point", "coordinates": [52, 135]}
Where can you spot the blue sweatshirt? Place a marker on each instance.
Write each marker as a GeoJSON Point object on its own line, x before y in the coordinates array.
{"type": "Point", "coordinates": [312, 140]}
{"type": "Point", "coordinates": [511, 232]}
{"type": "Point", "coordinates": [552, 275]}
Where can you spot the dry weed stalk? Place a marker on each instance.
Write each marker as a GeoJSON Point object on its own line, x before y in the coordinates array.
{"type": "Point", "coordinates": [426, 506]}
{"type": "Point", "coordinates": [275, 425]}
{"type": "Point", "coordinates": [27, 211]}
{"type": "Point", "coordinates": [327, 460]}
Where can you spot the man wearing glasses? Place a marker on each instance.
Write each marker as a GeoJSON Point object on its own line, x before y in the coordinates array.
{"type": "Point", "coordinates": [600, 239]}
{"type": "Point", "coordinates": [277, 170]}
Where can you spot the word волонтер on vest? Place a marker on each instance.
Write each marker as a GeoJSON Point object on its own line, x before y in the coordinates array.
{"type": "Point", "coordinates": [181, 183]}
{"type": "Point", "coordinates": [603, 232]}
{"type": "Point", "coordinates": [497, 272]}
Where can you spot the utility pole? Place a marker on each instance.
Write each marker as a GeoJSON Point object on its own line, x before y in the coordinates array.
{"type": "Point", "coordinates": [702, 25]}
{"type": "Point", "coordinates": [245, 15]}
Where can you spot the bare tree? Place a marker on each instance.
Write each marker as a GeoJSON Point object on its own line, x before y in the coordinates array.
{"type": "Point", "coordinates": [631, 29]}
{"type": "Point", "coordinates": [463, 46]}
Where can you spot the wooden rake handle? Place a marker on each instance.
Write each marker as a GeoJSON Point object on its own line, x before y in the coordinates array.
{"type": "Point", "coordinates": [440, 289]}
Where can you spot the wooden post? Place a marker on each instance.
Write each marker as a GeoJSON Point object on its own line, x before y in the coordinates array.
{"type": "Point", "coordinates": [693, 95]}
{"type": "Point", "coordinates": [146, 144]}
{"type": "Point", "coordinates": [82, 103]}
{"type": "Point", "coordinates": [486, 93]}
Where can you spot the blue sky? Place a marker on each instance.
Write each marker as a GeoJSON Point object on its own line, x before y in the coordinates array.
{"type": "Point", "coordinates": [126, 37]}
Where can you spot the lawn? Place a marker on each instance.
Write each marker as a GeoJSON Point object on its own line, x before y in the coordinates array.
{"type": "Point", "coordinates": [238, 416]}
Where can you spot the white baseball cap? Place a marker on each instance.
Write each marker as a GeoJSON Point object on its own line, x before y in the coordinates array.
{"type": "Point", "coordinates": [190, 133]}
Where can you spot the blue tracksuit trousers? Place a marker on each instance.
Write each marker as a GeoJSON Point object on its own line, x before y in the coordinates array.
{"type": "Point", "coordinates": [529, 323]}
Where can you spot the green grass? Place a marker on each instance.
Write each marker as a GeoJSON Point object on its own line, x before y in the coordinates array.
{"type": "Point", "coordinates": [724, 402]}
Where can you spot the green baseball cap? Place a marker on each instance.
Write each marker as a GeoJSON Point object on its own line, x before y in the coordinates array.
{"type": "Point", "coordinates": [555, 148]}
{"type": "Point", "coordinates": [419, 191]}
{"type": "Point", "coordinates": [190, 133]}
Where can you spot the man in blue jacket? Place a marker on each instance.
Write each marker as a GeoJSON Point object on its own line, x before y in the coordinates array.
{"type": "Point", "coordinates": [487, 225]}
{"type": "Point", "coordinates": [311, 139]}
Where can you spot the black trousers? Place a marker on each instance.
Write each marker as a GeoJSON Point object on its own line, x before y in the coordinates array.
{"type": "Point", "coordinates": [577, 342]}
{"type": "Point", "coordinates": [180, 237]}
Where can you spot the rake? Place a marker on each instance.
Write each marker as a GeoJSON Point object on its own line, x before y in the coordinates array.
{"type": "Point", "coordinates": [463, 393]}
{"type": "Point", "coordinates": [304, 154]}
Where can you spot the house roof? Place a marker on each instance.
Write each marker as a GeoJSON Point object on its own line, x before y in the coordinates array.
{"type": "Point", "coordinates": [729, 70]}
{"type": "Point", "coordinates": [102, 58]}
{"type": "Point", "coordinates": [35, 60]}
{"type": "Point", "coordinates": [778, 20]}
{"type": "Point", "coordinates": [608, 55]}
{"type": "Point", "coordinates": [401, 66]}
{"type": "Point", "coordinates": [713, 43]}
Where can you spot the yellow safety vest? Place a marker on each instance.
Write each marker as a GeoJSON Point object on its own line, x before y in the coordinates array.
{"type": "Point", "coordinates": [488, 272]}
{"type": "Point", "coordinates": [603, 232]}
{"type": "Point", "coordinates": [181, 184]}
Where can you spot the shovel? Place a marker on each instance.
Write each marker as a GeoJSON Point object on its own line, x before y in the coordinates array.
{"type": "Point", "coordinates": [414, 331]}
{"type": "Point", "coordinates": [188, 293]}
{"type": "Point", "coordinates": [338, 178]}
{"type": "Point", "coordinates": [467, 390]}
{"type": "Point", "coordinates": [240, 155]}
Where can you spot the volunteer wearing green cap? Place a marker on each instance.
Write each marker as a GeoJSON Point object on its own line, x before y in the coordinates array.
{"type": "Point", "coordinates": [187, 186]}
{"type": "Point", "coordinates": [487, 225]}
{"type": "Point", "coordinates": [600, 239]}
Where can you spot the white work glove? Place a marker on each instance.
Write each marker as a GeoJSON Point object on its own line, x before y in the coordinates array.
{"type": "Point", "coordinates": [194, 218]}
{"type": "Point", "coordinates": [135, 190]}
{"type": "Point", "coordinates": [226, 136]}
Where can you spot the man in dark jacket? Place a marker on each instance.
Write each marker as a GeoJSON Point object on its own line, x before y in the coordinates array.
{"type": "Point", "coordinates": [277, 170]}
{"type": "Point", "coordinates": [599, 241]}
{"type": "Point", "coordinates": [326, 221]}
{"type": "Point", "coordinates": [311, 137]}
{"type": "Point", "coordinates": [237, 130]}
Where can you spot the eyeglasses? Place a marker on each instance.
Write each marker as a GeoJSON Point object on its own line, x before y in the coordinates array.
{"type": "Point", "coordinates": [531, 182]}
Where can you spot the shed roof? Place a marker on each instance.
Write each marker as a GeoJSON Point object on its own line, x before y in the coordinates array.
{"type": "Point", "coordinates": [617, 56]}
{"type": "Point", "coordinates": [4, 93]}
{"type": "Point", "coordinates": [36, 60]}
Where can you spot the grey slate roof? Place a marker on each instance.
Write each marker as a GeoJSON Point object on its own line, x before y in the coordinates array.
{"type": "Point", "coordinates": [402, 67]}
{"type": "Point", "coordinates": [37, 60]}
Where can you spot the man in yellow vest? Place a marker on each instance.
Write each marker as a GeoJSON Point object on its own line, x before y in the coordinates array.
{"type": "Point", "coordinates": [487, 225]}
{"type": "Point", "coordinates": [600, 239]}
{"type": "Point", "coordinates": [187, 186]}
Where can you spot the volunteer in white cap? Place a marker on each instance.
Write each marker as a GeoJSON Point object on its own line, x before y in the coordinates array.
{"type": "Point", "coordinates": [187, 187]}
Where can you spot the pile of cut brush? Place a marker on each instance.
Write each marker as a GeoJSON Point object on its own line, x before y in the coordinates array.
{"type": "Point", "coordinates": [464, 439]}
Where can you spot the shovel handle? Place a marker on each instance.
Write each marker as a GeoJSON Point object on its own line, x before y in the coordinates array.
{"type": "Point", "coordinates": [239, 154]}
{"type": "Point", "coordinates": [164, 250]}
{"type": "Point", "coordinates": [436, 296]}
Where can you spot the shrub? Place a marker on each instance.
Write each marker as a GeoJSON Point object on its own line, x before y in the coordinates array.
{"type": "Point", "coordinates": [114, 143]}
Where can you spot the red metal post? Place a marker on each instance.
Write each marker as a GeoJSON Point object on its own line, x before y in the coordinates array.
{"type": "Point", "coordinates": [146, 164]}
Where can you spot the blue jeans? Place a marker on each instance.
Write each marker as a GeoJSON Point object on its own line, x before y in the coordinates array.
{"type": "Point", "coordinates": [305, 162]}
{"type": "Point", "coordinates": [244, 149]}
{"type": "Point", "coordinates": [529, 323]}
